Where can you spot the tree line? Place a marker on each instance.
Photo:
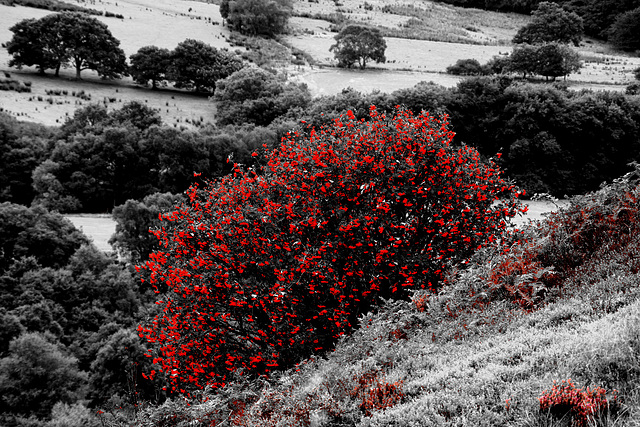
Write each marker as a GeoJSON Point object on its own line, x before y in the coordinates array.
{"type": "Point", "coordinates": [612, 20]}
{"type": "Point", "coordinates": [550, 139]}
{"type": "Point", "coordinates": [73, 39]}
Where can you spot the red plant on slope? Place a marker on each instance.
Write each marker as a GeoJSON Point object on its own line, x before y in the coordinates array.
{"type": "Point", "coordinates": [581, 405]}
{"type": "Point", "coordinates": [263, 269]}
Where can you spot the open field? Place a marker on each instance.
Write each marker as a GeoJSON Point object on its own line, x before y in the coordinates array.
{"type": "Point", "coordinates": [165, 23]}
{"type": "Point", "coordinates": [98, 227]}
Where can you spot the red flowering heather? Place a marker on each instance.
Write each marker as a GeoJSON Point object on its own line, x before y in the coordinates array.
{"type": "Point", "coordinates": [263, 269]}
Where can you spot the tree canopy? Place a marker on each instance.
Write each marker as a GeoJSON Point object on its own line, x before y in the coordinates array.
{"type": "Point", "coordinates": [551, 23]}
{"type": "Point", "coordinates": [254, 95]}
{"type": "Point", "coordinates": [67, 39]}
{"type": "Point", "coordinates": [257, 17]}
{"type": "Point", "coordinates": [625, 31]}
{"type": "Point", "coordinates": [150, 63]}
{"type": "Point", "coordinates": [548, 59]}
{"type": "Point", "coordinates": [357, 43]}
{"type": "Point", "coordinates": [197, 65]}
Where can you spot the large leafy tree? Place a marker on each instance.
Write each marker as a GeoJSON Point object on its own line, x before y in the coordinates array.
{"type": "Point", "coordinates": [68, 38]}
{"type": "Point", "coordinates": [551, 23]}
{"type": "Point", "coordinates": [263, 269]}
{"type": "Point", "coordinates": [150, 63]}
{"type": "Point", "coordinates": [197, 65]}
{"type": "Point", "coordinates": [359, 44]}
{"type": "Point", "coordinates": [523, 59]}
{"type": "Point", "coordinates": [257, 17]}
{"type": "Point", "coordinates": [30, 46]}
{"type": "Point", "coordinates": [254, 95]}
{"type": "Point", "coordinates": [556, 60]}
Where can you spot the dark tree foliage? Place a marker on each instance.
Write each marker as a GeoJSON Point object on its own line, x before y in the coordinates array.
{"type": "Point", "coordinates": [556, 60]}
{"type": "Point", "coordinates": [150, 63]}
{"type": "Point", "coordinates": [597, 133]}
{"type": "Point", "coordinates": [35, 375]}
{"type": "Point", "coordinates": [67, 38]}
{"type": "Point", "coordinates": [257, 17]}
{"type": "Point", "coordinates": [359, 44]}
{"type": "Point", "coordinates": [135, 220]}
{"type": "Point", "coordinates": [597, 15]}
{"type": "Point", "coordinates": [197, 65]}
{"type": "Point", "coordinates": [548, 60]}
{"type": "Point", "coordinates": [22, 147]}
{"type": "Point", "coordinates": [625, 31]}
{"type": "Point", "coordinates": [254, 95]}
{"type": "Point", "coordinates": [551, 23]}
{"type": "Point", "coordinates": [33, 232]}
{"type": "Point", "coordinates": [467, 67]}
{"type": "Point", "coordinates": [30, 46]}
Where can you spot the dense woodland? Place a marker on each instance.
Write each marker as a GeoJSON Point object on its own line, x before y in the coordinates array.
{"type": "Point", "coordinates": [288, 227]}
{"type": "Point", "coordinates": [546, 138]}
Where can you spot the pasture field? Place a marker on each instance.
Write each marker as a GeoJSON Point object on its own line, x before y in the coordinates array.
{"type": "Point", "coordinates": [165, 23]}
{"type": "Point", "coordinates": [97, 227]}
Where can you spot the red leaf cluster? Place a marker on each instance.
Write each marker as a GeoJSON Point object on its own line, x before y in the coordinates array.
{"type": "Point", "coordinates": [580, 404]}
{"type": "Point", "coordinates": [264, 268]}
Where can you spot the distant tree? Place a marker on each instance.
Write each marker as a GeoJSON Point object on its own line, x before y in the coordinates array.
{"type": "Point", "coordinates": [254, 95]}
{"type": "Point", "coordinates": [35, 375]}
{"type": "Point", "coordinates": [48, 237]}
{"type": "Point", "coordinates": [466, 67]}
{"type": "Point", "coordinates": [360, 44]}
{"type": "Point", "coordinates": [551, 23]}
{"type": "Point", "coordinates": [625, 31]}
{"type": "Point", "coordinates": [68, 38]}
{"type": "Point", "coordinates": [523, 60]}
{"type": "Point", "coordinates": [556, 60]}
{"type": "Point", "coordinates": [29, 46]}
{"type": "Point", "coordinates": [497, 65]}
{"type": "Point", "coordinates": [257, 17]}
{"type": "Point", "coordinates": [197, 65]}
{"type": "Point", "coordinates": [150, 63]}
{"type": "Point", "coordinates": [134, 222]}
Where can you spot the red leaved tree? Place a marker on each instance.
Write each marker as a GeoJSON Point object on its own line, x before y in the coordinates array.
{"type": "Point", "coordinates": [262, 269]}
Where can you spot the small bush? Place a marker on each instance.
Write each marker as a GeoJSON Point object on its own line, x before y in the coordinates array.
{"type": "Point", "coordinates": [580, 405]}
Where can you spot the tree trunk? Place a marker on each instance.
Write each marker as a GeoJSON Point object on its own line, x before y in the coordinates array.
{"type": "Point", "coordinates": [58, 70]}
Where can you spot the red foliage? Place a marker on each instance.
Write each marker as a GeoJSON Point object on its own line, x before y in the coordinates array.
{"type": "Point", "coordinates": [580, 404]}
{"type": "Point", "coordinates": [263, 269]}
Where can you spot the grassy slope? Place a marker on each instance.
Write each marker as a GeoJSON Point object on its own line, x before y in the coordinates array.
{"type": "Point", "coordinates": [477, 354]}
